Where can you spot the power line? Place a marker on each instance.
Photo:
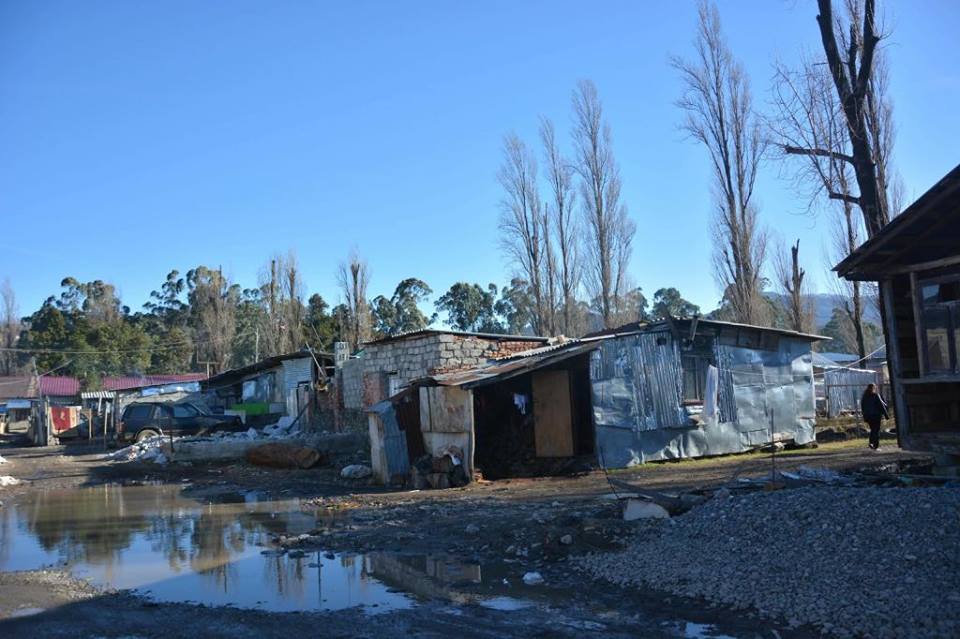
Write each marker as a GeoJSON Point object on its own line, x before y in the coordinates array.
{"type": "Point", "coordinates": [113, 351]}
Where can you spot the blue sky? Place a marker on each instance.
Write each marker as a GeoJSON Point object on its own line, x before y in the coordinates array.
{"type": "Point", "coordinates": [137, 137]}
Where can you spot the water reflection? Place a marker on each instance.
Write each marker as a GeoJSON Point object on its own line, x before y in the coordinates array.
{"type": "Point", "coordinates": [152, 539]}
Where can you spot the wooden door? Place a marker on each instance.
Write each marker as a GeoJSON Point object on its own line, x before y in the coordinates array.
{"type": "Point", "coordinates": [553, 426]}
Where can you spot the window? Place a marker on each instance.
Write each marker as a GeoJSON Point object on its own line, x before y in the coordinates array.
{"type": "Point", "coordinates": [181, 411]}
{"type": "Point", "coordinates": [139, 411]}
{"type": "Point", "coordinates": [694, 377]}
{"type": "Point", "coordinates": [940, 323]}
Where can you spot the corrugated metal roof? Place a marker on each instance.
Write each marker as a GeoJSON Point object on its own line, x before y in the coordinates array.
{"type": "Point", "coordinates": [437, 331]}
{"type": "Point", "coordinates": [642, 327]}
{"type": "Point", "coordinates": [268, 363]}
{"type": "Point", "coordinates": [59, 386]}
{"type": "Point", "coordinates": [123, 383]}
{"type": "Point", "coordinates": [505, 368]}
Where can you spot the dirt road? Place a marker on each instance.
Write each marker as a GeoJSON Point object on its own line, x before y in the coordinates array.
{"type": "Point", "coordinates": [436, 562]}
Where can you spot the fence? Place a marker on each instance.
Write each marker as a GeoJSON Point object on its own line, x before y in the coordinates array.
{"type": "Point", "coordinates": [843, 388]}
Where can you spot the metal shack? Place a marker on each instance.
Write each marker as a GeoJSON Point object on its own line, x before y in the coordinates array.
{"type": "Point", "coordinates": [916, 260]}
{"type": "Point", "coordinates": [694, 387]}
{"type": "Point", "coordinates": [522, 414]}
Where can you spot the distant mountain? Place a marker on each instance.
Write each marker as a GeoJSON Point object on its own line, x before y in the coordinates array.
{"type": "Point", "coordinates": [824, 303]}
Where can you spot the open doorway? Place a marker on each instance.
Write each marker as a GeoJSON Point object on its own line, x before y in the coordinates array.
{"type": "Point", "coordinates": [535, 423]}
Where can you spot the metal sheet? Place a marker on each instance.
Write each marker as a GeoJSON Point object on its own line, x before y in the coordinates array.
{"type": "Point", "coordinates": [843, 388]}
{"type": "Point", "coordinates": [637, 389]}
{"type": "Point", "coordinates": [394, 440]}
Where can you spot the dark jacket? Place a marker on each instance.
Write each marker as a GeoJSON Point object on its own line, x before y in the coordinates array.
{"type": "Point", "coordinates": [873, 408]}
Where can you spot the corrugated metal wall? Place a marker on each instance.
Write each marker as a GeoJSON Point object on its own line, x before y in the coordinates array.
{"type": "Point", "coordinates": [295, 371]}
{"type": "Point", "coordinates": [637, 391]}
{"type": "Point", "coordinates": [843, 388]}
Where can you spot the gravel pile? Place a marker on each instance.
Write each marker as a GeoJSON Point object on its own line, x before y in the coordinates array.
{"type": "Point", "coordinates": [875, 562]}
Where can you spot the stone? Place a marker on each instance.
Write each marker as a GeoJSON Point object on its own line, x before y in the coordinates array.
{"type": "Point", "coordinates": [472, 529]}
{"type": "Point", "coordinates": [533, 578]}
{"type": "Point", "coordinates": [356, 471]}
{"type": "Point", "coordinates": [639, 509]}
{"type": "Point", "coordinates": [566, 540]}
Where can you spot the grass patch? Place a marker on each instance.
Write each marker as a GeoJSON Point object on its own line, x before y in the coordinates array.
{"type": "Point", "coordinates": [739, 458]}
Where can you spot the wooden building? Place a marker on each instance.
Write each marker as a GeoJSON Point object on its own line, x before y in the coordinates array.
{"type": "Point", "coordinates": [916, 260]}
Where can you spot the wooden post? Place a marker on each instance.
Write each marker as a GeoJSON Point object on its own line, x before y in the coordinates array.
{"type": "Point", "coordinates": [918, 324]}
{"type": "Point", "coordinates": [894, 364]}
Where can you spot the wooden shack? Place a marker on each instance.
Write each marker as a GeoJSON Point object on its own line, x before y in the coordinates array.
{"type": "Point", "coordinates": [916, 260]}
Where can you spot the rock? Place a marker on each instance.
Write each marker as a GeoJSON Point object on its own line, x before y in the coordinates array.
{"type": "Point", "coordinates": [533, 578]}
{"type": "Point", "coordinates": [722, 493]}
{"type": "Point", "coordinates": [472, 529]}
{"type": "Point", "coordinates": [638, 509]}
{"type": "Point", "coordinates": [7, 480]}
{"type": "Point", "coordinates": [356, 471]}
{"type": "Point", "coordinates": [566, 540]}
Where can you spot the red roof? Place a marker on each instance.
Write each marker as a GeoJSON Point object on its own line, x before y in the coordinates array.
{"type": "Point", "coordinates": [121, 383]}
{"type": "Point", "coordinates": [59, 386]}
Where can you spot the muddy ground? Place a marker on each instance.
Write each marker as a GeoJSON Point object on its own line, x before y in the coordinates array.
{"type": "Point", "coordinates": [510, 527]}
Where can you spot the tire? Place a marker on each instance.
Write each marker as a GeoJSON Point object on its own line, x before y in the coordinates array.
{"type": "Point", "coordinates": [145, 434]}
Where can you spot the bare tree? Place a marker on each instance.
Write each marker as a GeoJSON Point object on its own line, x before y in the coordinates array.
{"type": "Point", "coordinates": [523, 226]}
{"type": "Point", "coordinates": [353, 278]}
{"type": "Point", "coordinates": [839, 121]}
{"type": "Point", "coordinates": [292, 291]}
{"type": "Point", "coordinates": [610, 231]}
{"type": "Point", "coordinates": [791, 279]}
{"type": "Point", "coordinates": [213, 304]}
{"type": "Point", "coordinates": [718, 106]}
{"type": "Point", "coordinates": [562, 223]}
{"type": "Point", "coordinates": [9, 328]}
{"type": "Point", "coordinates": [859, 83]}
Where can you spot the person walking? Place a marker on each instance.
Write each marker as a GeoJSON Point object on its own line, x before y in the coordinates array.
{"type": "Point", "coordinates": [873, 409]}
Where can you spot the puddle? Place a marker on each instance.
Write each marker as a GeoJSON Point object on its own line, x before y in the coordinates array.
{"type": "Point", "coordinates": [170, 548]}
{"type": "Point", "coordinates": [153, 540]}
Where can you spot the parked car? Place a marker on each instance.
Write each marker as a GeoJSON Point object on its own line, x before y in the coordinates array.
{"type": "Point", "coordinates": [141, 420]}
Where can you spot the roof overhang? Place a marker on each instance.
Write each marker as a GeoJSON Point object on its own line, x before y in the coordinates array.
{"type": "Point", "coordinates": [504, 369]}
{"type": "Point", "coordinates": [924, 237]}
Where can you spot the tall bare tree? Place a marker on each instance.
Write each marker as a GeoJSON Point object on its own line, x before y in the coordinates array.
{"type": "Point", "coordinates": [819, 114]}
{"type": "Point", "coordinates": [609, 231]}
{"type": "Point", "coordinates": [9, 328]}
{"type": "Point", "coordinates": [523, 227]}
{"type": "Point", "coordinates": [282, 291]}
{"type": "Point", "coordinates": [720, 116]}
{"type": "Point", "coordinates": [353, 278]}
{"type": "Point", "coordinates": [859, 83]}
{"type": "Point", "coordinates": [213, 306]}
{"type": "Point", "coordinates": [791, 279]}
{"type": "Point", "coordinates": [563, 227]}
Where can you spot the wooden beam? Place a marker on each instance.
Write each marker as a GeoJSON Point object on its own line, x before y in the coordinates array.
{"type": "Point", "coordinates": [931, 379]}
{"type": "Point", "coordinates": [918, 323]}
{"type": "Point", "coordinates": [916, 268]}
{"type": "Point", "coordinates": [894, 367]}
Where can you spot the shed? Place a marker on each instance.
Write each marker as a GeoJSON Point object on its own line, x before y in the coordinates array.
{"type": "Point", "coordinates": [916, 260]}
{"type": "Point", "coordinates": [525, 414]}
{"type": "Point", "coordinates": [694, 387]}
{"type": "Point", "coordinates": [277, 385]}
